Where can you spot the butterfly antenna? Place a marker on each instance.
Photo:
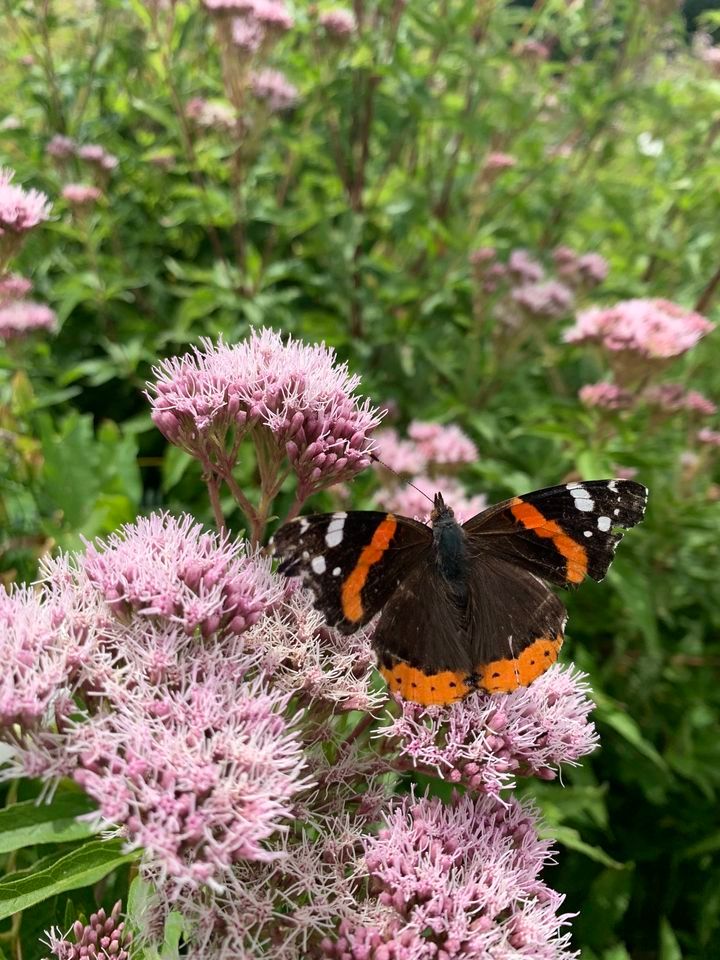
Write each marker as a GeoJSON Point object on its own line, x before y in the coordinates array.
{"type": "Point", "coordinates": [401, 478]}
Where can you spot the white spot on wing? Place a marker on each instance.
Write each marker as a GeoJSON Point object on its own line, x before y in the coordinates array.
{"type": "Point", "coordinates": [334, 532]}
{"type": "Point", "coordinates": [604, 524]}
{"type": "Point", "coordinates": [588, 533]}
{"type": "Point", "coordinates": [304, 524]}
{"type": "Point", "coordinates": [582, 498]}
{"type": "Point", "coordinates": [616, 513]}
{"type": "Point", "coordinates": [318, 565]}
{"type": "Point", "coordinates": [337, 571]}
{"type": "Point", "coordinates": [305, 555]}
{"type": "Point", "coordinates": [612, 485]}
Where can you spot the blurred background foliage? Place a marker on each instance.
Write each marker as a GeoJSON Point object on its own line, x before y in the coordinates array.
{"type": "Point", "coordinates": [350, 215]}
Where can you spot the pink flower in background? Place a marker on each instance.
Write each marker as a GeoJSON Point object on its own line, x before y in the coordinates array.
{"type": "Point", "coordinates": [161, 566]}
{"type": "Point", "coordinates": [580, 270]}
{"type": "Point", "coordinates": [592, 268]}
{"type": "Point", "coordinates": [549, 299]}
{"type": "Point", "coordinates": [300, 396]}
{"type": "Point", "coordinates": [523, 268]}
{"type": "Point", "coordinates": [531, 49]}
{"type": "Point", "coordinates": [13, 287]}
{"type": "Point", "coordinates": [274, 89]}
{"type": "Point", "coordinates": [229, 6]}
{"type": "Point", "coordinates": [338, 22]}
{"type": "Point", "coordinates": [458, 880]}
{"type": "Point", "coordinates": [444, 445]}
{"type": "Point", "coordinates": [673, 398]}
{"type": "Point", "coordinates": [247, 34]}
{"type": "Point", "coordinates": [61, 147]}
{"type": "Point", "coordinates": [81, 194]}
{"type": "Point", "coordinates": [486, 740]}
{"type": "Point", "coordinates": [496, 162]}
{"type": "Point", "coordinates": [211, 114]}
{"type": "Point", "coordinates": [98, 156]}
{"type": "Point", "coordinates": [402, 456]}
{"type": "Point", "coordinates": [409, 502]}
{"type": "Point", "coordinates": [709, 437]}
{"type": "Point", "coordinates": [273, 15]}
{"type": "Point", "coordinates": [482, 256]}
{"type": "Point", "coordinates": [20, 211]}
{"type": "Point", "coordinates": [18, 318]}
{"type": "Point", "coordinates": [103, 936]}
{"type": "Point", "coordinates": [606, 396]}
{"type": "Point", "coordinates": [655, 329]}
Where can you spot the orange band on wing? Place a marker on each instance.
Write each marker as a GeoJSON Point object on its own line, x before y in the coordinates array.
{"type": "Point", "coordinates": [502, 676]}
{"type": "Point", "coordinates": [573, 552]}
{"type": "Point", "coordinates": [352, 588]}
{"type": "Point", "coordinates": [435, 689]}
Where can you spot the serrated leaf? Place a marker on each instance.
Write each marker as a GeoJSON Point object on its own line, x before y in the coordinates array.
{"type": "Point", "coordinates": [26, 824]}
{"type": "Point", "coordinates": [79, 868]}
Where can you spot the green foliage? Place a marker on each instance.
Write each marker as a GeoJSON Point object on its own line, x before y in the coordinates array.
{"type": "Point", "coordinates": [350, 219]}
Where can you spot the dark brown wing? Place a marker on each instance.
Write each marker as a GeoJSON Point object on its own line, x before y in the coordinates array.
{"type": "Point", "coordinates": [562, 533]}
{"type": "Point", "coordinates": [352, 562]}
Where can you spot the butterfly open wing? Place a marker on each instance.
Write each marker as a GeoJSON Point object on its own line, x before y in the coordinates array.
{"type": "Point", "coordinates": [352, 562]}
{"type": "Point", "coordinates": [563, 533]}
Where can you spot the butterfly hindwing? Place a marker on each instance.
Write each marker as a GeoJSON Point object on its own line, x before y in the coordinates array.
{"type": "Point", "coordinates": [563, 533]}
{"type": "Point", "coordinates": [352, 562]}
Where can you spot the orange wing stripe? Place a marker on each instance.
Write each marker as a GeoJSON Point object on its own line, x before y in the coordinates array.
{"type": "Point", "coordinates": [437, 689]}
{"type": "Point", "coordinates": [502, 676]}
{"type": "Point", "coordinates": [573, 552]}
{"type": "Point", "coordinates": [352, 588]}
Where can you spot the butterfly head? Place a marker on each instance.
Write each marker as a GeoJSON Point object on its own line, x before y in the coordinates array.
{"type": "Point", "coordinates": [440, 510]}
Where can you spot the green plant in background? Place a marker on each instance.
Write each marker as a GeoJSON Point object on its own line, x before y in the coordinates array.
{"type": "Point", "coordinates": [485, 209]}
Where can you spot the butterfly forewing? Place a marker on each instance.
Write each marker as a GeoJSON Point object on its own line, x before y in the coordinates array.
{"type": "Point", "coordinates": [562, 533]}
{"type": "Point", "coordinates": [352, 562]}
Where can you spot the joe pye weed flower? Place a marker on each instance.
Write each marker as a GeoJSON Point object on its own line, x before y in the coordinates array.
{"type": "Point", "coordinates": [244, 749]}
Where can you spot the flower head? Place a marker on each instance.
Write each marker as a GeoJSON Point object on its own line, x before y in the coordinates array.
{"type": "Point", "coordinates": [709, 437]}
{"type": "Point", "coordinates": [406, 501]}
{"type": "Point", "coordinates": [496, 162]}
{"type": "Point", "coordinates": [98, 156]}
{"type": "Point", "coordinates": [210, 114]}
{"type": "Point", "coordinates": [102, 936]}
{"type": "Point", "coordinates": [523, 268]}
{"type": "Point", "coordinates": [654, 329]}
{"type": "Point", "coordinates": [338, 22]}
{"type": "Point", "coordinates": [549, 299]}
{"type": "Point", "coordinates": [20, 211]}
{"type": "Point", "coordinates": [274, 89]}
{"type": "Point", "coordinates": [13, 287]}
{"type": "Point", "coordinates": [161, 566]}
{"type": "Point", "coordinates": [606, 396]}
{"type": "Point", "coordinates": [61, 147]}
{"type": "Point", "coordinates": [673, 398]}
{"type": "Point", "coordinates": [18, 318]}
{"type": "Point", "coordinates": [81, 194]}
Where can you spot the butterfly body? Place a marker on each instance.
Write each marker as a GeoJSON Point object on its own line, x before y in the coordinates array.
{"type": "Point", "coordinates": [463, 606]}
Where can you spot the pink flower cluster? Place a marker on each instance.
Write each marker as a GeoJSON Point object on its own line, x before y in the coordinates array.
{"type": "Point", "coordinates": [20, 211]}
{"type": "Point", "coordinates": [484, 741]}
{"type": "Point", "coordinates": [457, 880]}
{"type": "Point", "coordinates": [673, 398]}
{"type": "Point", "coordinates": [709, 437]}
{"type": "Point", "coordinates": [580, 270]}
{"type": "Point", "coordinates": [496, 162]}
{"type": "Point", "coordinates": [339, 22]}
{"type": "Point", "coordinates": [294, 398]}
{"type": "Point", "coordinates": [274, 89]}
{"type": "Point", "coordinates": [606, 396]}
{"type": "Point", "coordinates": [210, 114]}
{"type": "Point", "coordinates": [653, 329]}
{"type": "Point", "coordinates": [81, 194]}
{"type": "Point", "coordinates": [19, 317]}
{"type": "Point", "coordinates": [102, 937]}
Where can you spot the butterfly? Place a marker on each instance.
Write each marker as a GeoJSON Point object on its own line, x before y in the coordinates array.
{"type": "Point", "coordinates": [463, 607]}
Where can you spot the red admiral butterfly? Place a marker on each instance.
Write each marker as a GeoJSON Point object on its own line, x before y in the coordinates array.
{"type": "Point", "coordinates": [463, 607]}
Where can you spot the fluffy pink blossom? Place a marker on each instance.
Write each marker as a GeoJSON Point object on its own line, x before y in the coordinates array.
{"type": "Point", "coordinates": [673, 398]}
{"type": "Point", "coordinates": [482, 256]}
{"type": "Point", "coordinates": [583, 270]}
{"type": "Point", "coordinates": [300, 398]}
{"type": "Point", "coordinates": [20, 211]}
{"type": "Point", "coordinates": [531, 49]}
{"type": "Point", "coordinates": [523, 268]}
{"type": "Point", "coordinates": [485, 740]}
{"type": "Point", "coordinates": [200, 774]}
{"type": "Point", "coordinates": [606, 396]}
{"type": "Point", "coordinates": [94, 154]}
{"type": "Point", "coordinates": [103, 936]}
{"type": "Point", "coordinates": [272, 14]}
{"type": "Point", "coordinates": [274, 89]}
{"type": "Point", "coordinates": [248, 34]}
{"type": "Point", "coordinates": [549, 299]}
{"type": "Point", "coordinates": [162, 566]}
{"type": "Point", "coordinates": [709, 437]}
{"type": "Point", "coordinates": [655, 329]}
{"type": "Point", "coordinates": [13, 287]}
{"type": "Point", "coordinates": [338, 22]}
{"type": "Point", "coordinates": [228, 6]}
{"type": "Point", "coordinates": [210, 114]}
{"type": "Point", "coordinates": [18, 318]}
{"type": "Point", "coordinates": [402, 456]}
{"type": "Point", "coordinates": [409, 502]}
{"type": "Point", "coordinates": [443, 445]}
{"type": "Point", "coordinates": [81, 194]}
{"type": "Point", "coordinates": [496, 162]}
{"type": "Point", "coordinates": [61, 147]}
{"type": "Point", "coordinates": [458, 880]}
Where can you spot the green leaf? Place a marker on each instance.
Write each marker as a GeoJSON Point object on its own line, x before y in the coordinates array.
{"type": "Point", "coordinates": [570, 838]}
{"type": "Point", "coordinates": [28, 823]}
{"type": "Point", "coordinates": [669, 946]}
{"type": "Point", "coordinates": [80, 868]}
{"type": "Point", "coordinates": [628, 729]}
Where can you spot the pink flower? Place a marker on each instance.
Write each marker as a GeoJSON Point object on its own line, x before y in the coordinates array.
{"type": "Point", "coordinates": [457, 880]}
{"type": "Point", "coordinates": [18, 318]}
{"type": "Point", "coordinates": [274, 89]}
{"type": "Point", "coordinates": [586, 270]}
{"type": "Point", "coordinates": [339, 22]}
{"type": "Point", "coordinates": [409, 502]}
{"type": "Point", "coordinates": [523, 268]}
{"type": "Point", "coordinates": [531, 49]}
{"type": "Point", "coordinates": [654, 329]}
{"type": "Point", "coordinates": [13, 287]}
{"type": "Point", "coordinates": [272, 14]}
{"type": "Point", "coordinates": [481, 256]}
{"type": "Point", "coordinates": [549, 299]}
{"type": "Point", "coordinates": [165, 567]}
{"type": "Point", "coordinates": [102, 936]}
{"type": "Point", "coordinates": [709, 437]}
{"type": "Point", "coordinates": [60, 147]}
{"type": "Point", "coordinates": [496, 162]}
{"type": "Point", "coordinates": [20, 211]}
{"type": "Point", "coordinates": [443, 445]}
{"type": "Point", "coordinates": [228, 6]}
{"type": "Point", "coordinates": [211, 113]}
{"type": "Point", "coordinates": [81, 194]}
{"type": "Point", "coordinates": [98, 156]}
{"type": "Point", "coordinates": [485, 740]}
{"type": "Point", "coordinates": [592, 268]}
{"type": "Point", "coordinates": [248, 34]}
{"type": "Point", "coordinates": [298, 397]}
{"type": "Point", "coordinates": [606, 396]}
{"type": "Point", "coordinates": [402, 456]}
{"type": "Point", "coordinates": [672, 398]}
